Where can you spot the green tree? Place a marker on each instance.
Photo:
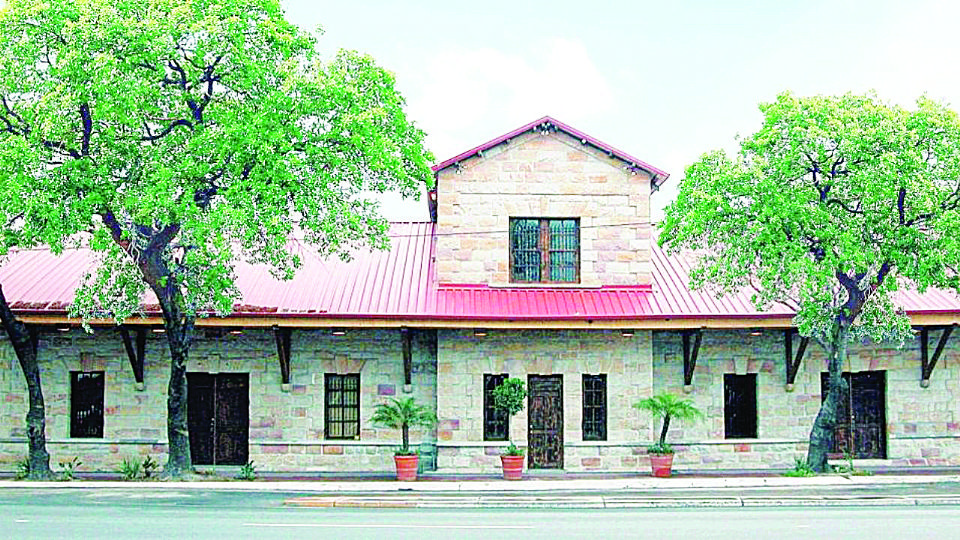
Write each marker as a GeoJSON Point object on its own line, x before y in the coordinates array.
{"type": "Point", "coordinates": [175, 138]}
{"type": "Point", "coordinates": [509, 397]}
{"type": "Point", "coordinates": [831, 207]}
{"type": "Point", "coordinates": [403, 414]}
{"type": "Point", "coordinates": [667, 407]}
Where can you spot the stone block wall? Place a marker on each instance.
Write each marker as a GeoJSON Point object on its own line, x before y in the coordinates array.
{"type": "Point", "coordinates": [463, 359]}
{"type": "Point", "coordinates": [286, 426]}
{"type": "Point", "coordinates": [923, 424]}
{"type": "Point", "coordinates": [549, 175]}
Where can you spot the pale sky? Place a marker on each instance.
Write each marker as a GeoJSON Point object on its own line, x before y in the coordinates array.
{"type": "Point", "coordinates": [664, 81]}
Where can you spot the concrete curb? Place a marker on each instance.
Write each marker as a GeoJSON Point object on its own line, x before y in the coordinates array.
{"type": "Point", "coordinates": [615, 502]}
{"type": "Point", "coordinates": [500, 486]}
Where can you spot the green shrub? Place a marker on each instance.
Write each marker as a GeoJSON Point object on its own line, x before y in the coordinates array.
{"type": "Point", "coordinates": [247, 472]}
{"type": "Point", "coordinates": [23, 469]}
{"type": "Point", "coordinates": [149, 466]}
{"type": "Point", "coordinates": [510, 397]}
{"type": "Point", "coordinates": [68, 468]}
{"type": "Point", "coordinates": [801, 469]}
{"type": "Point", "coordinates": [130, 469]}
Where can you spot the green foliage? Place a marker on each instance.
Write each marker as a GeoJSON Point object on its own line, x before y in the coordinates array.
{"type": "Point", "coordinates": [130, 468]}
{"type": "Point", "coordinates": [510, 396]}
{"type": "Point", "coordinates": [801, 469]}
{"type": "Point", "coordinates": [403, 414]}
{"type": "Point", "coordinates": [667, 407]}
{"type": "Point", "coordinates": [832, 206]}
{"type": "Point", "coordinates": [248, 472]}
{"type": "Point", "coordinates": [23, 469]}
{"type": "Point", "coordinates": [149, 466]}
{"type": "Point", "coordinates": [660, 448]}
{"type": "Point", "coordinates": [68, 468]}
{"type": "Point", "coordinates": [513, 450]}
{"type": "Point", "coordinates": [189, 136]}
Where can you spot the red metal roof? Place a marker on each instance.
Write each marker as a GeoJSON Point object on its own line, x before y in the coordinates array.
{"type": "Point", "coordinates": [659, 176]}
{"type": "Point", "coordinates": [489, 303]}
{"type": "Point", "coordinates": [401, 284]}
{"type": "Point", "coordinates": [673, 297]}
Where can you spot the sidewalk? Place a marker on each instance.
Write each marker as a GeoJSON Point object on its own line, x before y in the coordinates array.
{"type": "Point", "coordinates": [606, 492]}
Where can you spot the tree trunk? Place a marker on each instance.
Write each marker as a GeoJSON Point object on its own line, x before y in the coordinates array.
{"type": "Point", "coordinates": [822, 434]}
{"type": "Point", "coordinates": [405, 433]}
{"type": "Point", "coordinates": [663, 429]}
{"type": "Point", "coordinates": [179, 330]}
{"type": "Point", "coordinates": [25, 348]}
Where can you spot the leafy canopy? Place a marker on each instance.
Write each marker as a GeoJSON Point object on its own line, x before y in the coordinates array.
{"type": "Point", "coordinates": [509, 396]}
{"type": "Point", "coordinates": [833, 205]}
{"type": "Point", "coordinates": [198, 132]}
{"type": "Point", "coordinates": [669, 406]}
{"type": "Point", "coordinates": [403, 414]}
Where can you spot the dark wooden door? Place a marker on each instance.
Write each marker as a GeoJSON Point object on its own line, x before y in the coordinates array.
{"type": "Point", "coordinates": [200, 417]}
{"type": "Point", "coordinates": [862, 433]}
{"type": "Point", "coordinates": [545, 421]}
{"type": "Point", "coordinates": [218, 417]}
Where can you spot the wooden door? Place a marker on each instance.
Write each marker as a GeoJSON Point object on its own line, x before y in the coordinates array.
{"type": "Point", "coordinates": [545, 421]}
{"type": "Point", "coordinates": [864, 430]}
{"type": "Point", "coordinates": [232, 424]}
{"type": "Point", "coordinates": [200, 417]}
{"type": "Point", "coordinates": [218, 418]}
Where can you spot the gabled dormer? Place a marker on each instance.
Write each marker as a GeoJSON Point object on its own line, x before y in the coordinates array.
{"type": "Point", "coordinates": [544, 205]}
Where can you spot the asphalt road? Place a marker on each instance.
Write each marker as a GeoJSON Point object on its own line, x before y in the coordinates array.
{"type": "Point", "coordinates": [119, 514]}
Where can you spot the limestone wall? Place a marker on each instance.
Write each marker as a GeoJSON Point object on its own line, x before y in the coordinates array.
{"type": "Point", "coordinates": [543, 175]}
{"type": "Point", "coordinates": [463, 359]}
{"type": "Point", "coordinates": [286, 427]}
{"type": "Point", "coordinates": [923, 425]}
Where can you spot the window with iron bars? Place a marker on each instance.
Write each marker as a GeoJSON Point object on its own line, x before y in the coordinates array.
{"type": "Point", "coordinates": [342, 406]}
{"type": "Point", "coordinates": [594, 407]}
{"type": "Point", "coordinates": [86, 404]}
{"type": "Point", "coordinates": [545, 250]}
{"type": "Point", "coordinates": [496, 423]}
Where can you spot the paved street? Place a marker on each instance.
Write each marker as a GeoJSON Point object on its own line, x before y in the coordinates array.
{"type": "Point", "coordinates": [120, 514]}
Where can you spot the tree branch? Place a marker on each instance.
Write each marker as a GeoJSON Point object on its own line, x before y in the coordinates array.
{"type": "Point", "coordinates": [87, 124]}
{"type": "Point", "coordinates": [166, 131]}
{"type": "Point", "coordinates": [901, 198]}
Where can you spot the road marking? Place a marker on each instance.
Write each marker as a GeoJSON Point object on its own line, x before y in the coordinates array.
{"type": "Point", "coordinates": [21, 521]}
{"type": "Point", "coordinates": [385, 526]}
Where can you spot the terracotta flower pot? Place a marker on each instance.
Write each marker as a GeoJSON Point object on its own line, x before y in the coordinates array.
{"type": "Point", "coordinates": [512, 467]}
{"type": "Point", "coordinates": [661, 464]}
{"type": "Point", "coordinates": [406, 467]}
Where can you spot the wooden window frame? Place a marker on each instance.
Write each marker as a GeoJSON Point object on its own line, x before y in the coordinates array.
{"type": "Point", "coordinates": [492, 416]}
{"type": "Point", "coordinates": [543, 246]}
{"type": "Point", "coordinates": [594, 420]}
{"type": "Point", "coordinates": [329, 405]}
{"type": "Point", "coordinates": [730, 430]}
{"type": "Point", "coordinates": [84, 382]}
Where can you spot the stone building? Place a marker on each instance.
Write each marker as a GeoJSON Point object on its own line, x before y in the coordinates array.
{"type": "Point", "coordinates": [539, 263]}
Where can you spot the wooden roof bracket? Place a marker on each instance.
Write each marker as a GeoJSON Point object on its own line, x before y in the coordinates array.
{"type": "Point", "coordinates": [690, 357]}
{"type": "Point", "coordinates": [793, 360]}
{"type": "Point", "coordinates": [283, 355]}
{"type": "Point", "coordinates": [135, 354]}
{"type": "Point", "coordinates": [928, 363]}
{"type": "Point", "coordinates": [407, 347]}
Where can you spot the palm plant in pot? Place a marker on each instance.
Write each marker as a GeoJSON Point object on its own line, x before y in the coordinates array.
{"type": "Point", "coordinates": [509, 397]}
{"type": "Point", "coordinates": [403, 414]}
{"type": "Point", "coordinates": [666, 407]}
